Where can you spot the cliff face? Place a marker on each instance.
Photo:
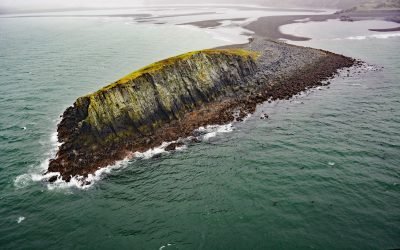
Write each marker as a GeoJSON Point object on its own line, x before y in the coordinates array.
{"type": "Point", "coordinates": [138, 104]}
{"type": "Point", "coordinates": [169, 99]}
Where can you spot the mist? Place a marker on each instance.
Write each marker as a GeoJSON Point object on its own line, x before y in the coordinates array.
{"type": "Point", "coordinates": [32, 5]}
{"type": "Point", "coordinates": [25, 5]}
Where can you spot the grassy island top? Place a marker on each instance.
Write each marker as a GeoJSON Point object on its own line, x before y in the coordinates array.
{"type": "Point", "coordinates": [154, 67]}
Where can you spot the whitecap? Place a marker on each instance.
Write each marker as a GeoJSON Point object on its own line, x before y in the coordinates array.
{"type": "Point", "coordinates": [356, 37]}
{"type": "Point", "coordinates": [22, 180]}
{"type": "Point", "coordinates": [37, 174]}
{"type": "Point", "coordinates": [212, 130]}
{"type": "Point", "coordinates": [331, 163]}
{"type": "Point", "coordinates": [371, 68]}
{"type": "Point", "coordinates": [386, 36]}
{"type": "Point", "coordinates": [20, 219]}
{"type": "Point", "coordinates": [244, 119]}
{"type": "Point", "coordinates": [374, 36]}
{"type": "Point", "coordinates": [82, 182]}
{"type": "Point", "coordinates": [164, 246]}
{"type": "Point", "coordinates": [34, 174]}
{"type": "Point", "coordinates": [153, 151]}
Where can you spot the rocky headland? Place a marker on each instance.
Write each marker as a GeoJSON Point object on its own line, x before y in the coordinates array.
{"type": "Point", "coordinates": [170, 99]}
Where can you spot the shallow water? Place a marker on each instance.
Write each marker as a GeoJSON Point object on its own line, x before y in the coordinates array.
{"type": "Point", "coordinates": [338, 30]}
{"type": "Point", "coordinates": [322, 172]}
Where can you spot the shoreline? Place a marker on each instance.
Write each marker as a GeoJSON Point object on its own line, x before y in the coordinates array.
{"type": "Point", "coordinates": [269, 26]}
{"type": "Point", "coordinates": [285, 70]}
{"type": "Point", "coordinates": [211, 23]}
{"type": "Point", "coordinates": [264, 27]}
{"type": "Point", "coordinates": [386, 30]}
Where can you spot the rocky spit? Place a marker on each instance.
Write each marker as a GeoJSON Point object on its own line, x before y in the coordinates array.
{"type": "Point", "coordinates": [169, 100]}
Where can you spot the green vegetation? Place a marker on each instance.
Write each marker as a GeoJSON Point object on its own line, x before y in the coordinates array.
{"type": "Point", "coordinates": [154, 67]}
{"type": "Point", "coordinates": [164, 91]}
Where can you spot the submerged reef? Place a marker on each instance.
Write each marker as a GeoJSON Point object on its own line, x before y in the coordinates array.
{"type": "Point", "coordinates": [169, 99]}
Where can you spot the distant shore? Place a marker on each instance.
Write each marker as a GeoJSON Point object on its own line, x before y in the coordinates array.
{"type": "Point", "coordinates": [386, 30]}
{"type": "Point", "coordinates": [269, 26]}
{"type": "Point", "coordinates": [263, 27]}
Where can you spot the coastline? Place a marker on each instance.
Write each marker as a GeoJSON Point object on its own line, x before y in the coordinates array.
{"type": "Point", "coordinates": [386, 30]}
{"type": "Point", "coordinates": [211, 23]}
{"type": "Point", "coordinates": [315, 171]}
{"type": "Point", "coordinates": [269, 26]}
{"type": "Point", "coordinates": [281, 82]}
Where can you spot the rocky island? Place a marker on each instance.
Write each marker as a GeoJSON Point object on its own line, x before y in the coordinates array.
{"type": "Point", "coordinates": [170, 99]}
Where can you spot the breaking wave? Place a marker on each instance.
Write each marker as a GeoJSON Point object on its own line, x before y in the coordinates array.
{"type": "Point", "coordinates": [375, 36]}
{"type": "Point", "coordinates": [37, 174]}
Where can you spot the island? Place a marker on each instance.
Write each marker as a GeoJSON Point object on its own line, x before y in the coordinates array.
{"type": "Point", "coordinates": [168, 100]}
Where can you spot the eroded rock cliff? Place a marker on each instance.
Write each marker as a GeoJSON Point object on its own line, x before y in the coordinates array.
{"type": "Point", "coordinates": [169, 99]}
{"type": "Point", "coordinates": [138, 104]}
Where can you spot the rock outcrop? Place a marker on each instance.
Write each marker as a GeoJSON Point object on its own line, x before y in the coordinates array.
{"type": "Point", "coordinates": [138, 104]}
{"type": "Point", "coordinates": [171, 98]}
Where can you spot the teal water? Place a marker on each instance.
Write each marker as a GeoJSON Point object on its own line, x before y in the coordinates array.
{"type": "Point", "coordinates": [321, 173]}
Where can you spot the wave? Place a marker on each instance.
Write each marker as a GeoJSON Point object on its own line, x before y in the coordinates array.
{"type": "Point", "coordinates": [375, 36]}
{"type": "Point", "coordinates": [20, 219]}
{"type": "Point", "coordinates": [164, 246]}
{"type": "Point", "coordinates": [212, 130]}
{"type": "Point", "coordinates": [37, 174]}
{"type": "Point", "coordinates": [82, 182]}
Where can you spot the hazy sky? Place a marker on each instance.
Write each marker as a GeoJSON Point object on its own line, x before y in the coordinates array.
{"type": "Point", "coordinates": [59, 4]}
{"type": "Point", "coordinates": [38, 4]}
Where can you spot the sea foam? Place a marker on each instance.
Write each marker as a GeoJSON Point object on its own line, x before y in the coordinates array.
{"type": "Point", "coordinates": [374, 36]}
{"type": "Point", "coordinates": [20, 219]}
{"type": "Point", "coordinates": [37, 174]}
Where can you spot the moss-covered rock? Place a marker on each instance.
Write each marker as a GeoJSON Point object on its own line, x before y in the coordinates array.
{"type": "Point", "coordinates": [169, 99]}
{"type": "Point", "coordinates": [143, 101]}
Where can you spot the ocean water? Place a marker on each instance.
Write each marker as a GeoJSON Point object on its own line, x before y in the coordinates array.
{"type": "Point", "coordinates": [321, 173]}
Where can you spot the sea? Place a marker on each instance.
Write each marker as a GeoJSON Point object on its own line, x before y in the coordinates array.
{"type": "Point", "coordinates": [322, 172]}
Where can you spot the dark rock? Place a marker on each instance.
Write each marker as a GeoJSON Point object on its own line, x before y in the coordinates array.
{"type": "Point", "coordinates": [53, 178]}
{"type": "Point", "coordinates": [168, 100]}
{"type": "Point", "coordinates": [173, 146]}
